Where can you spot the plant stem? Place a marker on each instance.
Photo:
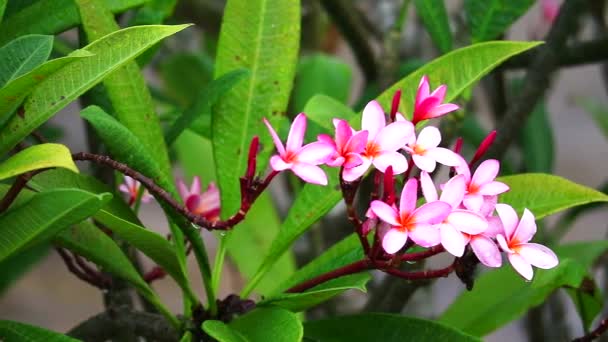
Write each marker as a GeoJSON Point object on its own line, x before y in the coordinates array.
{"type": "Point", "coordinates": [219, 264]}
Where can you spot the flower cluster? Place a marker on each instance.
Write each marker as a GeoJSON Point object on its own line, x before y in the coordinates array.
{"type": "Point", "coordinates": [462, 215]}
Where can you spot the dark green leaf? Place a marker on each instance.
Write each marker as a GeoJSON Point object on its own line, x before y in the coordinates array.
{"type": "Point", "coordinates": [320, 110]}
{"type": "Point", "coordinates": [435, 19]}
{"type": "Point", "coordinates": [184, 75]}
{"type": "Point", "coordinates": [259, 325]}
{"type": "Point", "coordinates": [37, 157]}
{"type": "Point", "coordinates": [18, 332]}
{"type": "Point", "coordinates": [537, 141]}
{"type": "Point", "coordinates": [490, 18]}
{"type": "Point", "coordinates": [22, 55]}
{"type": "Point", "coordinates": [598, 112]}
{"type": "Point", "coordinates": [19, 264]}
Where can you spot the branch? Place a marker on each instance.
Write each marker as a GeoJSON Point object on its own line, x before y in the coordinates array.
{"type": "Point", "coordinates": [15, 189]}
{"type": "Point", "coordinates": [575, 54]}
{"type": "Point", "coordinates": [107, 325]}
{"type": "Point", "coordinates": [596, 333]}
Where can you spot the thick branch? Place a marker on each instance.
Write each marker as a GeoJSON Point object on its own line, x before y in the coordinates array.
{"type": "Point", "coordinates": [579, 53]}
{"type": "Point", "coordinates": [596, 333]}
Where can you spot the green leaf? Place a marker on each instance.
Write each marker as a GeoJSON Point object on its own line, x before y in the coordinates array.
{"type": "Point", "coordinates": [65, 85]}
{"type": "Point", "coordinates": [504, 296]}
{"type": "Point", "coordinates": [435, 19]}
{"type": "Point", "coordinates": [314, 201]}
{"type": "Point", "coordinates": [201, 109]}
{"type": "Point", "coordinates": [19, 332]}
{"type": "Point", "coordinates": [51, 17]}
{"type": "Point", "coordinates": [46, 214]}
{"type": "Point", "coordinates": [2, 8]}
{"type": "Point", "coordinates": [598, 112]}
{"type": "Point", "coordinates": [262, 36]}
{"type": "Point", "coordinates": [537, 141]}
{"type": "Point", "coordinates": [184, 75]}
{"type": "Point", "coordinates": [320, 110]}
{"type": "Point", "coordinates": [321, 74]}
{"type": "Point", "coordinates": [19, 264]}
{"type": "Point", "coordinates": [545, 194]}
{"type": "Point", "coordinates": [37, 157]}
{"type": "Point", "coordinates": [22, 55]}
{"type": "Point", "coordinates": [381, 327]}
{"type": "Point", "coordinates": [488, 19]}
{"type": "Point", "coordinates": [588, 300]}
{"type": "Point", "coordinates": [259, 325]}
{"type": "Point", "coordinates": [297, 302]}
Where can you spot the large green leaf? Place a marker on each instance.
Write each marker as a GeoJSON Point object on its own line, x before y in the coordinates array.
{"type": "Point", "coordinates": [314, 201]}
{"type": "Point", "coordinates": [259, 325]}
{"type": "Point", "coordinates": [381, 327]}
{"type": "Point", "coordinates": [18, 332]}
{"type": "Point", "coordinates": [504, 296]}
{"type": "Point", "coordinates": [435, 19]}
{"type": "Point", "coordinates": [62, 87]}
{"type": "Point", "coordinates": [537, 141]}
{"type": "Point", "coordinates": [51, 17]}
{"type": "Point", "coordinates": [262, 36]}
{"type": "Point", "coordinates": [184, 75]}
{"type": "Point", "coordinates": [37, 157]}
{"type": "Point", "coordinates": [489, 18]}
{"type": "Point", "coordinates": [46, 214]}
{"type": "Point", "coordinates": [545, 194]}
{"type": "Point", "coordinates": [320, 110]}
{"type": "Point", "coordinates": [2, 8]}
{"type": "Point", "coordinates": [323, 292]}
{"type": "Point", "coordinates": [22, 55]}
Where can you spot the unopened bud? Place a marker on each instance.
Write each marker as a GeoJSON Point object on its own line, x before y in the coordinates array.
{"type": "Point", "coordinates": [395, 104]}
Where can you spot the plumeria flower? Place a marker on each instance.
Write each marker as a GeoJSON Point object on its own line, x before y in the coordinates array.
{"type": "Point", "coordinates": [206, 204]}
{"type": "Point", "coordinates": [383, 141]}
{"type": "Point", "coordinates": [550, 10]}
{"type": "Point", "coordinates": [482, 187]}
{"type": "Point", "coordinates": [131, 188]}
{"type": "Point", "coordinates": [347, 146]}
{"type": "Point", "coordinates": [409, 221]}
{"type": "Point", "coordinates": [302, 160]}
{"type": "Point", "coordinates": [515, 239]}
{"type": "Point", "coordinates": [460, 225]}
{"type": "Point", "coordinates": [426, 153]}
{"type": "Point", "coordinates": [428, 105]}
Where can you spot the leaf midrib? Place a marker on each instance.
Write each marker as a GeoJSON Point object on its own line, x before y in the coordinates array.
{"type": "Point", "coordinates": [23, 63]}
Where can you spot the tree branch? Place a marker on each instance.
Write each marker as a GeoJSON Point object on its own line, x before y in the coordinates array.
{"type": "Point", "coordinates": [575, 54]}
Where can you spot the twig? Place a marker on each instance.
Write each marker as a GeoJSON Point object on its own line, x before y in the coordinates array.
{"type": "Point", "coordinates": [82, 274]}
{"type": "Point", "coordinates": [596, 333]}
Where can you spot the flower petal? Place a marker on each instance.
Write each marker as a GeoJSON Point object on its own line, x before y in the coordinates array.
{"type": "Point", "coordinates": [373, 119]}
{"type": "Point", "coordinates": [424, 163]}
{"type": "Point", "coordinates": [409, 195]}
{"type": "Point", "coordinates": [467, 221]}
{"type": "Point", "coordinates": [423, 90]}
{"type": "Point", "coordinates": [439, 93]}
{"type": "Point", "coordinates": [486, 172]}
{"type": "Point", "coordinates": [429, 137]}
{"type": "Point", "coordinates": [124, 189]}
{"type": "Point", "coordinates": [181, 187]}
{"type": "Point", "coordinates": [390, 158]}
{"type": "Point", "coordinates": [352, 160]}
{"type": "Point", "coordinates": [309, 173]}
{"type": "Point", "coordinates": [493, 188]}
{"type": "Point", "coordinates": [440, 110]}
{"type": "Point", "coordinates": [395, 135]}
{"type": "Point", "coordinates": [495, 227]}
{"type": "Point", "coordinates": [433, 212]}
{"type": "Point", "coordinates": [453, 191]}
{"type": "Point", "coordinates": [278, 164]}
{"type": "Point", "coordinates": [452, 240]}
{"type": "Point", "coordinates": [443, 156]}
{"type": "Point", "coordinates": [275, 138]}
{"type": "Point", "coordinates": [210, 199]}
{"type": "Point", "coordinates": [538, 255]}
{"type": "Point", "coordinates": [314, 153]}
{"type": "Point", "coordinates": [521, 266]}
{"type": "Point", "coordinates": [473, 202]}
{"type": "Point", "coordinates": [428, 188]}
{"type": "Point", "coordinates": [393, 241]}
{"type": "Point", "coordinates": [489, 203]}
{"type": "Point", "coordinates": [526, 228]}
{"type": "Point", "coordinates": [385, 212]}
{"type": "Point", "coordinates": [423, 108]}
{"type": "Point", "coordinates": [343, 133]}
{"type": "Point", "coordinates": [509, 219]}
{"type": "Point", "coordinates": [357, 142]}
{"type": "Point", "coordinates": [486, 251]}
{"type": "Point", "coordinates": [502, 242]}
{"type": "Point", "coordinates": [296, 133]}
{"type": "Point", "coordinates": [195, 187]}
{"type": "Point", "coordinates": [425, 235]}
{"type": "Point", "coordinates": [352, 174]}
{"type": "Point", "coordinates": [326, 139]}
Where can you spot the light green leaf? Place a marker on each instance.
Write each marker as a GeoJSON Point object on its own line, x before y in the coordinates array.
{"type": "Point", "coordinates": [505, 296]}
{"type": "Point", "coordinates": [314, 201]}
{"type": "Point", "coordinates": [51, 17]}
{"type": "Point", "coordinates": [37, 157]}
{"type": "Point", "coordinates": [2, 8]}
{"type": "Point", "coordinates": [545, 194]}
{"type": "Point", "coordinates": [381, 327]}
{"type": "Point", "coordinates": [320, 110]}
{"type": "Point", "coordinates": [46, 214]}
{"type": "Point", "coordinates": [537, 141]}
{"type": "Point", "coordinates": [262, 36]}
{"type": "Point", "coordinates": [22, 55]}
{"type": "Point", "coordinates": [259, 325]}
{"type": "Point", "coordinates": [65, 85]}
{"type": "Point", "coordinates": [20, 332]}
{"type": "Point", "coordinates": [435, 19]}
{"type": "Point", "coordinates": [297, 302]}
{"type": "Point", "coordinates": [488, 19]}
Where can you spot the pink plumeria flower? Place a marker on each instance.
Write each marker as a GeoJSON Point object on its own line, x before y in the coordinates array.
{"type": "Point", "coordinates": [550, 10]}
{"type": "Point", "coordinates": [426, 153]}
{"type": "Point", "coordinates": [206, 204]}
{"type": "Point", "coordinates": [383, 142]}
{"type": "Point", "coordinates": [131, 188]}
{"type": "Point", "coordinates": [428, 105]}
{"type": "Point", "coordinates": [460, 225]}
{"type": "Point", "coordinates": [482, 187]}
{"type": "Point", "coordinates": [515, 239]}
{"type": "Point", "coordinates": [409, 221]}
{"type": "Point", "coordinates": [347, 146]}
{"type": "Point", "coordinates": [302, 160]}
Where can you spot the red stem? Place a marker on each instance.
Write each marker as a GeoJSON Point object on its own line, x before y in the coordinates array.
{"type": "Point", "coordinates": [421, 275]}
{"type": "Point", "coordinates": [355, 267]}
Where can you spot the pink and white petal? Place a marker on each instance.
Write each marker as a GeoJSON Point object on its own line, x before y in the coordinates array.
{"type": "Point", "coordinates": [352, 174]}
{"type": "Point", "coordinates": [489, 203]}
{"type": "Point", "coordinates": [352, 160]}
{"type": "Point", "coordinates": [493, 188]}
{"type": "Point", "coordinates": [424, 163]}
{"type": "Point", "coordinates": [425, 235]}
{"type": "Point", "coordinates": [486, 172]}
{"type": "Point", "coordinates": [195, 187]}
{"type": "Point", "coordinates": [357, 142]}
{"type": "Point", "coordinates": [538, 255]}
{"type": "Point", "coordinates": [473, 202]}
{"type": "Point", "coordinates": [124, 189]}
{"type": "Point", "coordinates": [385, 212]}
{"type": "Point", "coordinates": [400, 117]}
{"type": "Point", "coordinates": [509, 219]}
{"type": "Point", "coordinates": [278, 164]}
{"type": "Point", "coordinates": [146, 197]}
{"type": "Point", "coordinates": [326, 139]}
{"type": "Point", "coordinates": [452, 240]}
{"type": "Point", "coordinates": [486, 251]}
{"type": "Point", "coordinates": [394, 240]}
{"type": "Point", "coordinates": [373, 119]}
{"type": "Point", "coordinates": [309, 173]}
{"type": "Point", "coordinates": [296, 133]}
{"type": "Point", "coordinates": [495, 227]}
{"type": "Point", "coordinates": [423, 90]}
{"type": "Point", "coordinates": [453, 191]}
{"type": "Point", "coordinates": [390, 158]}
{"type": "Point", "coordinates": [395, 135]}
{"type": "Point", "coordinates": [433, 212]}
{"type": "Point", "coordinates": [502, 242]}
{"type": "Point", "coordinates": [343, 133]}
{"type": "Point", "coordinates": [335, 161]}
{"type": "Point", "coordinates": [192, 203]}
{"type": "Point", "coordinates": [210, 199]}
{"type": "Point", "coordinates": [439, 93]}
{"type": "Point", "coordinates": [443, 156]}
{"type": "Point", "coordinates": [467, 221]}
{"type": "Point", "coordinates": [521, 266]}
{"type": "Point", "coordinates": [428, 187]}
{"type": "Point", "coordinates": [409, 195]}
{"type": "Point", "coordinates": [441, 110]}
{"type": "Point", "coordinates": [275, 138]}
{"type": "Point", "coordinates": [314, 153]}
{"type": "Point", "coordinates": [463, 168]}
{"type": "Point", "coordinates": [526, 228]}
{"type": "Point", "coordinates": [423, 108]}
{"type": "Point", "coordinates": [183, 190]}
{"type": "Point", "coordinates": [429, 137]}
